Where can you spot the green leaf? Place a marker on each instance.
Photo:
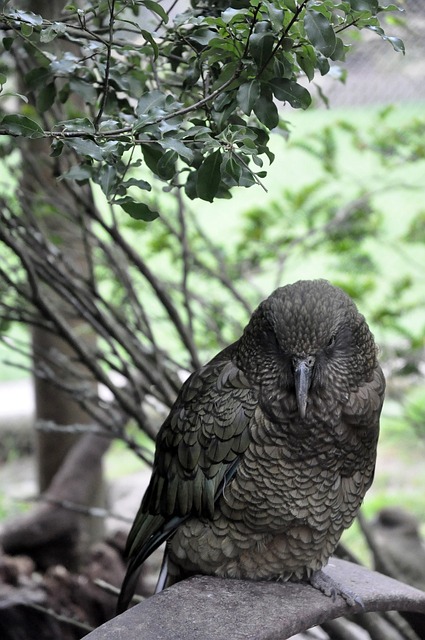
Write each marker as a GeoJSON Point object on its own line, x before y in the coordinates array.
{"type": "Point", "coordinates": [56, 148]}
{"type": "Point", "coordinates": [26, 29]}
{"type": "Point", "coordinates": [396, 43]}
{"type": "Point", "coordinates": [108, 178]}
{"type": "Point", "coordinates": [282, 67]}
{"type": "Point", "coordinates": [150, 107]}
{"type": "Point", "coordinates": [247, 95]}
{"type": "Point", "coordinates": [209, 177]}
{"type": "Point", "coordinates": [84, 89]}
{"type": "Point", "coordinates": [139, 211]}
{"type": "Point", "coordinates": [134, 182]}
{"type": "Point", "coordinates": [166, 166]}
{"type": "Point", "coordinates": [190, 186]}
{"type": "Point", "coordinates": [365, 5]}
{"type": "Point", "coordinates": [290, 91]}
{"type": "Point", "coordinates": [21, 126]}
{"type": "Point", "coordinates": [307, 59]}
{"type": "Point", "coordinates": [3, 79]}
{"type": "Point", "coordinates": [37, 77]}
{"type": "Point", "coordinates": [66, 65]}
{"type": "Point", "coordinates": [339, 51]}
{"type": "Point", "coordinates": [152, 153]}
{"type": "Point", "coordinates": [390, 7]}
{"type": "Point", "coordinates": [229, 14]}
{"type": "Point", "coordinates": [148, 36]}
{"type": "Point", "coordinates": [52, 31]}
{"type": "Point", "coordinates": [27, 16]}
{"type": "Point", "coordinates": [320, 32]}
{"type": "Point", "coordinates": [221, 118]}
{"type": "Point", "coordinates": [7, 43]}
{"type": "Point", "coordinates": [85, 147]}
{"type": "Point", "coordinates": [202, 36]}
{"type": "Point", "coordinates": [223, 100]}
{"type": "Point", "coordinates": [247, 178]}
{"type": "Point", "coordinates": [177, 146]}
{"type": "Point", "coordinates": [261, 47]}
{"type": "Point", "coordinates": [77, 124]}
{"type": "Point", "coordinates": [80, 173]}
{"type": "Point", "coordinates": [156, 8]}
{"type": "Point", "coordinates": [46, 97]}
{"type": "Point", "coordinates": [266, 111]}
{"type": "Point", "coordinates": [150, 101]}
{"type": "Point", "coordinates": [231, 169]}
{"type": "Point", "coordinates": [323, 64]}
{"type": "Point", "coordinates": [276, 15]}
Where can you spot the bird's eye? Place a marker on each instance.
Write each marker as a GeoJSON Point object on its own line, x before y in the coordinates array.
{"type": "Point", "coordinates": [331, 342]}
{"type": "Point", "coordinates": [271, 341]}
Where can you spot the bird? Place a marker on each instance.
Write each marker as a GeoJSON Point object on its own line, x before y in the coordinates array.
{"type": "Point", "coordinates": [268, 450]}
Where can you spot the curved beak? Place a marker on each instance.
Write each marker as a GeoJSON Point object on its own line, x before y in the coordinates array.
{"type": "Point", "coordinates": [303, 372]}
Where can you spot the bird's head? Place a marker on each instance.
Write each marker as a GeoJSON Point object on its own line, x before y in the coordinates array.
{"type": "Point", "coordinates": [307, 336]}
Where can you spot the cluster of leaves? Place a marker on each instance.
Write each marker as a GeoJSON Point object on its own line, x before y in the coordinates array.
{"type": "Point", "coordinates": [192, 98]}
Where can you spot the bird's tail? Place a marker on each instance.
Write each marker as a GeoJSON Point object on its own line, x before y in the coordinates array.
{"type": "Point", "coordinates": [141, 552]}
{"type": "Point", "coordinates": [128, 586]}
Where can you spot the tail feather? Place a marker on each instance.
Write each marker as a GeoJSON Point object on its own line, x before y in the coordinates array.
{"type": "Point", "coordinates": [138, 557]}
{"type": "Point", "coordinates": [128, 587]}
{"type": "Point", "coordinates": [163, 574]}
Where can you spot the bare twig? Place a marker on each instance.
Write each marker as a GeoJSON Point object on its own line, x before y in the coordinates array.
{"type": "Point", "coordinates": [59, 617]}
{"type": "Point", "coordinates": [111, 6]}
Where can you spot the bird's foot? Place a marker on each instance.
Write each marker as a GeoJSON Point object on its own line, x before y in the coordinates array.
{"type": "Point", "coordinates": [327, 585]}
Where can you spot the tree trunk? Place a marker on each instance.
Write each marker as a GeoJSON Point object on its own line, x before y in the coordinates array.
{"type": "Point", "coordinates": [52, 403]}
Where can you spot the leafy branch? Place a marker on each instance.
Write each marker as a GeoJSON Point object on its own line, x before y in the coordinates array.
{"type": "Point", "coordinates": [175, 88]}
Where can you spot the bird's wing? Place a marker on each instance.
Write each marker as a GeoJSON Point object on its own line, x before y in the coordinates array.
{"type": "Point", "coordinates": [361, 413]}
{"type": "Point", "coordinates": [197, 451]}
{"type": "Point", "coordinates": [365, 404]}
{"type": "Point", "coordinates": [204, 433]}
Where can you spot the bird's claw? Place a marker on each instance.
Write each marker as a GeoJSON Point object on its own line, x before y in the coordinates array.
{"type": "Point", "coordinates": [329, 587]}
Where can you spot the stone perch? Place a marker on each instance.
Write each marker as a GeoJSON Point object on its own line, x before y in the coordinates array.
{"type": "Point", "coordinates": [207, 608]}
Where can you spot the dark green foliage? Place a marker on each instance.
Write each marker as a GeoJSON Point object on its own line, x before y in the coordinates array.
{"type": "Point", "coordinates": [195, 94]}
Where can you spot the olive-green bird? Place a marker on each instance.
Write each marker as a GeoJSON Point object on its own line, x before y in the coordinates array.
{"type": "Point", "coordinates": [269, 449]}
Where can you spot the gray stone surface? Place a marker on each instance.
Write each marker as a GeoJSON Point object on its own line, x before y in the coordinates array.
{"type": "Point", "coordinates": [205, 608]}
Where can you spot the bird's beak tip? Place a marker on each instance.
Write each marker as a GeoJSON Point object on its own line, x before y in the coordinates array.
{"type": "Point", "coordinates": [302, 409]}
{"type": "Point", "coordinates": [303, 375]}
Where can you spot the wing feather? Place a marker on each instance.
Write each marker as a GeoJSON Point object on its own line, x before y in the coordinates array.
{"type": "Point", "coordinates": [207, 429]}
{"type": "Point", "coordinates": [198, 449]}
{"type": "Point", "coordinates": [364, 406]}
